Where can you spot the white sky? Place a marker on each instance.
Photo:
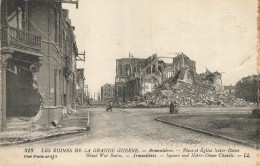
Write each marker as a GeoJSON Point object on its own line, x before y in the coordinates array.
{"type": "Point", "coordinates": [217, 34]}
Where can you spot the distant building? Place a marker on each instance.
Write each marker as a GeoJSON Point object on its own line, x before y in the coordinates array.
{"type": "Point", "coordinates": [107, 92]}
{"type": "Point", "coordinates": [246, 88]}
{"type": "Point", "coordinates": [230, 89]}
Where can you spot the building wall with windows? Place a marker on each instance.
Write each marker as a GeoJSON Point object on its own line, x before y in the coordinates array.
{"type": "Point", "coordinates": [48, 19]}
{"type": "Point", "coordinates": [108, 92]}
{"type": "Point", "coordinates": [39, 41]}
{"type": "Point", "coordinates": [246, 88]}
{"type": "Point", "coordinates": [127, 70]}
{"type": "Point", "coordinates": [168, 71]}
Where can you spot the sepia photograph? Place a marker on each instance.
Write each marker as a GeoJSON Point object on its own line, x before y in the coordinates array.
{"type": "Point", "coordinates": [129, 82]}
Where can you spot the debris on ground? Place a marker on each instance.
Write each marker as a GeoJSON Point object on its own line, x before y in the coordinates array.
{"type": "Point", "coordinates": [198, 94]}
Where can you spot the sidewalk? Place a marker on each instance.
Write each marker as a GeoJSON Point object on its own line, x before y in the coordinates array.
{"type": "Point", "coordinates": [21, 130]}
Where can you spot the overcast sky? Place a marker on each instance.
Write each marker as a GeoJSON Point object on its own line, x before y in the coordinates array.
{"type": "Point", "coordinates": [218, 34]}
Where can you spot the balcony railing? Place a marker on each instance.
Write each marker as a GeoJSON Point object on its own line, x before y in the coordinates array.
{"type": "Point", "coordinates": [20, 39]}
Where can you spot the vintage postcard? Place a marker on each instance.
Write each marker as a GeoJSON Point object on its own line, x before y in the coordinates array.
{"type": "Point", "coordinates": [129, 82]}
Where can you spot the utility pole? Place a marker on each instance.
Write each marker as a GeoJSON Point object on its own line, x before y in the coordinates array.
{"type": "Point", "coordinates": [86, 90]}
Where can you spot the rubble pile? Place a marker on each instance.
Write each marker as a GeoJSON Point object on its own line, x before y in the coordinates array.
{"type": "Point", "coordinates": [187, 95]}
{"type": "Point", "coordinates": [85, 105]}
{"type": "Point", "coordinates": [198, 94]}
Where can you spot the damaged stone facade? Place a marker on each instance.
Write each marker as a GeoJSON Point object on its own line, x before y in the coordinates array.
{"type": "Point", "coordinates": [126, 74]}
{"type": "Point", "coordinates": [181, 61]}
{"type": "Point", "coordinates": [166, 69]}
{"type": "Point", "coordinates": [151, 75]}
{"type": "Point", "coordinates": [39, 52]}
{"type": "Point", "coordinates": [214, 79]}
{"type": "Point", "coordinates": [136, 77]}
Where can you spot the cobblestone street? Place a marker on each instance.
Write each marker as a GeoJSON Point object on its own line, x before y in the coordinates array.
{"type": "Point", "coordinates": [135, 127]}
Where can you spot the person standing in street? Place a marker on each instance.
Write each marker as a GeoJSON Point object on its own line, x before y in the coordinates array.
{"type": "Point", "coordinates": [171, 108]}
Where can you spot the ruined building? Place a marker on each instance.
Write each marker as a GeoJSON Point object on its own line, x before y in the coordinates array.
{"type": "Point", "coordinates": [151, 75]}
{"type": "Point", "coordinates": [135, 77]}
{"type": "Point", "coordinates": [158, 83]}
{"type": "Point", "coordinates": [181, 61]}
{"type": "Point", "coordinates": [108, 92]}
{"type": "Point", "coordinates": [246, 88]}
{"type": "Point", "coordinates": [38, 51]}
{"type": "Point", "coordinates": [125, 81]}
{"type": "Point", "coordinates": [214, 79]}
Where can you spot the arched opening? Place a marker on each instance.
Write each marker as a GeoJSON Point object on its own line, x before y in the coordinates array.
{"type": "Point", "coordinates": [169, 73]}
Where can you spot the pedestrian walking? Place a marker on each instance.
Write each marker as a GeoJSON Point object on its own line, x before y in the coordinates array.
{"type": "Point", "coordinates": [171, 108]}
{"type": "Point", "coordinates": [110, 106]}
